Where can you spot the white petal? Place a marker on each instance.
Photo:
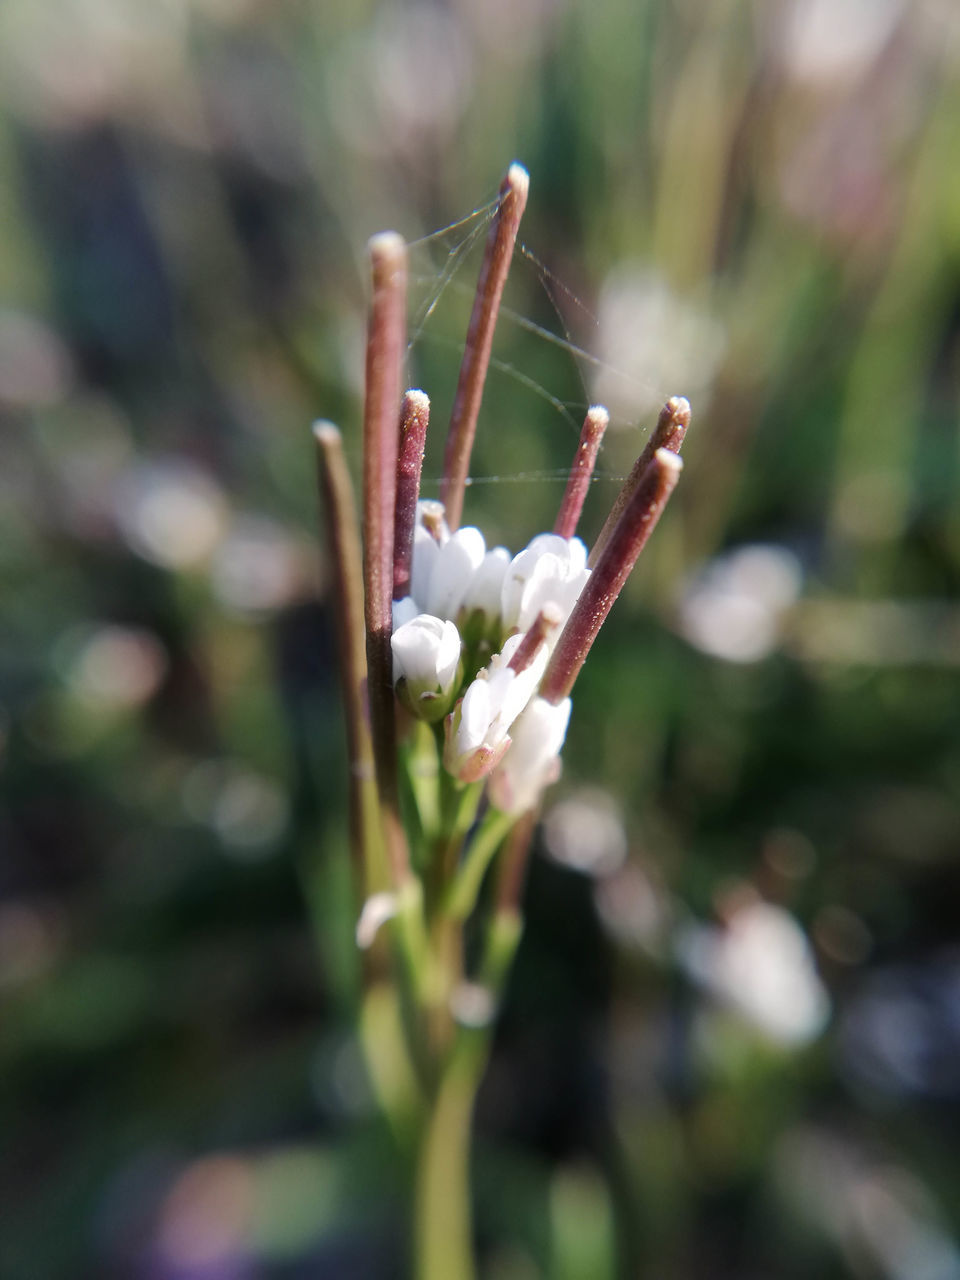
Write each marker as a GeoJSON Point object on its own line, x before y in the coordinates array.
{"type": "Point", "coordinates": [508, 691]}
{"type": "Point", "coordinates": [510, 647]}
{"type": "Point", "coordinates": [425, 556]}
{"type": "Point", "coordinates": [514, 583]}
{"type": "Point", "coordinates": [545, 584]}
{"type": "Point", "coordinates": [551, 570]}
{"type": "Point", "coordinates": [506, 702]}
{"type": "Point", "coordinates": [487, 583]}
{"type": "Point", "coordinates": [540, 732]}
{"type": "Point", "coordinates": [453, 571]}
{"type": "Point", "coordinates": [577, 553]}
{"type": "Point", "coordinates": [474, 717]}
{"type": "Point", "coordinates": [448, 654]}
{"type": "Point", "coordinates": [549, 544]}
{"type": "Point", "coordinates": [533, 758]}
{"type": "Point", "coordinates": [426, 651]}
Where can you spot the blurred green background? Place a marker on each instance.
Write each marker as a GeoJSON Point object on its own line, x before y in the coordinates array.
{"type": "Point", "coordinates": [731, 1049]}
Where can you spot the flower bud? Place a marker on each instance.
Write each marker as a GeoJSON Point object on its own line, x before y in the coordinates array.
{"type": "Point", "coordinates": [533, 761]}
{"type": "Point", "coordinates": [426, 658]}
{"type": "Point", "coordinates": [479, 614]}
{"type": "Point", "coordinates": [453, 571]}
{"type": "Point", "coordinates": [485, 588]}
{"type": "Point", "coordinates": [477, 730]}
{"type": "Point", "coordinates": [551, 570]}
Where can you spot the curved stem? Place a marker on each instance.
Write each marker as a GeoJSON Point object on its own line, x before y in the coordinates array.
{"type": "Point", "coordinates": [465, 887]}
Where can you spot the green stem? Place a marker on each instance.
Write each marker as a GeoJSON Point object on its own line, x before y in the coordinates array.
{"type": "Point", "coordinates": [500, 946]}
{"type": "Point", "coordinates": [420, 774]}
{"type": "Point", "coordinates": [458, 810]}
{"type": "Point", "coordinates": [443, 1220]}
{"type": "Point", "coordinates": [412, 940]}
{"type": "Point", "coordinates": [462, 813]}
{"type": "Point", "coordinates": [391, 1070]}
{"type": "Point", "coordinates": [443, 1246]}
{"type": "Point", "coordinates": [462, 896]}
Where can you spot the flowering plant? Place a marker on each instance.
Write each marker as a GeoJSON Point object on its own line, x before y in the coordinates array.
{"type": "Point", "coordinates": [458, 663]}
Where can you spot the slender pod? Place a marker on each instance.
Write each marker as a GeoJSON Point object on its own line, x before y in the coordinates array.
{"type": "Point", "coordinates": [386, 341]}
{"type": "Point", "coordinates": [605, 583]}
{"type": "Point", "coordinates": [667, 434]}
{"type": "Point", "coordinates": [476, 354]}
{"type": "Point", "coordinates": [414, 419]}
{"type": "Point", "coordinates": [581, 471]}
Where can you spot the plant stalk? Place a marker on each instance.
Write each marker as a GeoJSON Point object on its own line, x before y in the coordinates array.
{"type": "Point", "coordinates": [443, 1246]}
{"type": "Point", "coordinates": [443, 1220]}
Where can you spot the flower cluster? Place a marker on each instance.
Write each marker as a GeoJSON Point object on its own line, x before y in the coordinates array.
{"type": "Point", "coordinates": [458, 661]}
{"type": "Point", "coordinates": [466, 654]}
{"type": "Point", "coordinates": [471, 644]}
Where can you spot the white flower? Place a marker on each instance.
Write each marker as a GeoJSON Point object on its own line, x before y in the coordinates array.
{"type": "Point", "coordinates": [551, 570]}
{"type": "Point", "coordinates": [426, 553]}
{"type": "Point", "coordinates": [478, 728]}
{"type": "Point", "coordinates": [453, 569]}
{"type": "Point", "coordinates": [426, 658]}
{"type": "Point", "coordinates": [533, 761]}
{"type": "Point", "coordinates": [484, 590]}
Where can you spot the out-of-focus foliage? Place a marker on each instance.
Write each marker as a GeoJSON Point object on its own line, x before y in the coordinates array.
{"type": "Point", "coordinates": [731, 1047]}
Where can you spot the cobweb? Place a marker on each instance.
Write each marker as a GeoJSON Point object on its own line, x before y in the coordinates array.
{"type": "Point", "coordinates": [535, 358]}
